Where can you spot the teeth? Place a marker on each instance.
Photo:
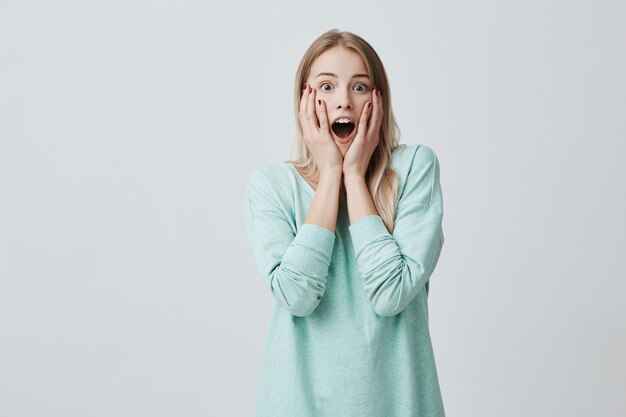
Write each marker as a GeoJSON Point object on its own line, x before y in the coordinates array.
{"type": "Point", "coordinates": [343, 121]}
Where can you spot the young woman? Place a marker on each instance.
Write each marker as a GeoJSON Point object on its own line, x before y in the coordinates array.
{"type": "Point", "coordinates": [347, 237]}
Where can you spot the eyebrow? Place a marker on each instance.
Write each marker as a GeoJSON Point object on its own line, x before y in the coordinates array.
{"type": "Point", "coordinates": [330, 74]}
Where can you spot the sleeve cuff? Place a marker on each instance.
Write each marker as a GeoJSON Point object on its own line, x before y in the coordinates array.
{"type": "Point", "coordinates": [315, 238]}
{"type": "Point", "coordinates": [366, 230]}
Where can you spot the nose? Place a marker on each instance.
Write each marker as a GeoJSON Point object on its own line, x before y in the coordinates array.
{"type": "Point", "coordinates": [344, 100]}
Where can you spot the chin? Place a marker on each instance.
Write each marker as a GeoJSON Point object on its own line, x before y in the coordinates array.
{"type": "Point", "coordinates": [343, 147]}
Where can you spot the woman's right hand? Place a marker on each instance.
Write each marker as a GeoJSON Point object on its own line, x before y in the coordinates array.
{"type": "Point", "coordinates": [316, 132]}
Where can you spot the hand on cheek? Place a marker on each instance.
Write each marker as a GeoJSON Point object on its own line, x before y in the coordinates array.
{"type": "Point", "coordinates": [367, 138]}
{"type": "Point", "coordinates": [316, 132]}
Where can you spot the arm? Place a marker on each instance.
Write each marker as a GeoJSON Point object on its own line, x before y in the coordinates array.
{"type": "Point", "coordinates": [396, 267]}
{"type": "Point", "coordinates": [360, 203]}
{"type": "Point", "coordinates": [294, 262]}
{"type": "Point", "coordinates": [325, 204]}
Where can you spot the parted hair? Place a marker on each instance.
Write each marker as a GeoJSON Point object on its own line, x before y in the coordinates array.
{"type": "Point", "coordinates": [381, 179]}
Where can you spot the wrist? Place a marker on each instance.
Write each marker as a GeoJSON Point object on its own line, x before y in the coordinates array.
{"type": "Point", "coordinates": [352, 171]}
{"type": "Point", "coordinates": [353, 179]}
{"type": "Point", "coordinates": [331, 172]}
{"type": "Point", "coordinates": [330, 176]}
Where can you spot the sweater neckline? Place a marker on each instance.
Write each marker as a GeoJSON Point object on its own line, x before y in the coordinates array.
{"type": "Point", "coordinates": [301, 179]}
{"type": "Point", "coordinates": [305, 184]}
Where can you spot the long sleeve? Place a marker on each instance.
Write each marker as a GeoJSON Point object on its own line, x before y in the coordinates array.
{"type": "Point", "coordinates": [293, 262]}
{"type": "Point", "coordinates": [395, 267]}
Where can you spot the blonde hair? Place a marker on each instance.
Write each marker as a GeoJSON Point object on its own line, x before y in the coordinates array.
{"type": "Point", "coordinates": [381, 179]}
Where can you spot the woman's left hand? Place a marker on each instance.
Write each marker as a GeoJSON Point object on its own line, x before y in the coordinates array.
{"type": "Point", "coordinates": [357, 159]}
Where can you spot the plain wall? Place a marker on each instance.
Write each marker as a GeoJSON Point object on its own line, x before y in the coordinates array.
{"type": "Point", "coordinates": [128, 130]}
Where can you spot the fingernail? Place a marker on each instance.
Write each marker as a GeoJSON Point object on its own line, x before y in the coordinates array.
{"type": "Point", "coordinates": [304, 86]}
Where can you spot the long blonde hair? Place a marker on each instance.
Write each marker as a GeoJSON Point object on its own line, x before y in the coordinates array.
{"type": "Point", "coordinates": [381, 179]}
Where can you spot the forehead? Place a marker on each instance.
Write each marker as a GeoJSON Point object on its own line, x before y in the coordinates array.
{"type": "Point", "coordinates": [338, 60]}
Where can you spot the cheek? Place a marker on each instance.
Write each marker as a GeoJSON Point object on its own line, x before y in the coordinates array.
{"type": "Point", "coordinates": [324, 105]}
{"type": "Point", "coordinates": [363, 103]}
{"type": "Point", "coordinates": [360, 109]}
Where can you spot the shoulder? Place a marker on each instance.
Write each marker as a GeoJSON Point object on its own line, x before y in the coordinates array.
{"type": "Point", "coordinates": [271, 179]}
{"type": "Point", "coordinates": [417, 168]}
{"type": "Point", "coordinates": [267, 173]}
{"type": "Point", "coordinates": [412, 158]}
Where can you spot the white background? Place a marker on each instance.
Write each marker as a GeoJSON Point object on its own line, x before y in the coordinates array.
{"type": "Point", "coordinates": [128, 130]}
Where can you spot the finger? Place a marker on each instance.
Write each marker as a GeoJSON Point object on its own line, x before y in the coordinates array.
{"type": "Point", "coordinates": [362, 126]}
{"type": "Point", "coordinates": [322, 116]}
{"type": "Point", "coordinates": [303, 110]}
{"type": "Point", "coordinates": [302, 100]}
{"type": "Point", "coordinates": [311, 111]}
{"type": "Point", "coordinates": [377, 111]}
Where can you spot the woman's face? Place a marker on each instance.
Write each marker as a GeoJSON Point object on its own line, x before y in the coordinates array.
{"type": "Point", "coordinates": [340, 79]}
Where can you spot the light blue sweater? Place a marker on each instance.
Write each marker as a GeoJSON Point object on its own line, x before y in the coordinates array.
{"type": "Point", "coordinates": [348, 336]}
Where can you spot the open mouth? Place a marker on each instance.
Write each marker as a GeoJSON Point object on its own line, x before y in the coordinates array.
{"type": "Point", "coordinates": [343, 128]}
